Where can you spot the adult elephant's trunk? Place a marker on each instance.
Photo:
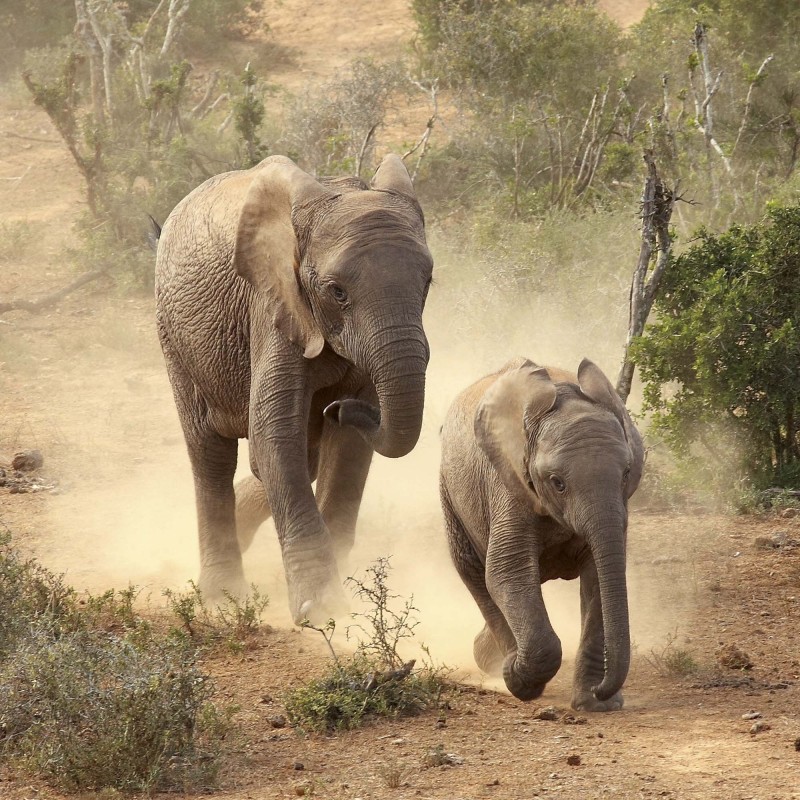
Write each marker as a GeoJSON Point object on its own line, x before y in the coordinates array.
{"type": "Point", "coordinates": [397, 369]}
{"type": "Point", "coordinates": [607, 543]}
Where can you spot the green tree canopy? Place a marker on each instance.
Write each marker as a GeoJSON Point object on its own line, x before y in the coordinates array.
{"type": "Point", "coordinates": [723, 356]}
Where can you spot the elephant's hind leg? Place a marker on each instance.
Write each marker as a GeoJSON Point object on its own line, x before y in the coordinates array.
{"type": "Point", "coordinates": [252, 509]}
{"type": "Point", "coordinates": [495, 640]}
{"type": "Point", "coordinates": [344, 461]}
{"type": "Point", "coordinates": [488, 655]}
{"type": "Point", "coordinates": [213, 459]}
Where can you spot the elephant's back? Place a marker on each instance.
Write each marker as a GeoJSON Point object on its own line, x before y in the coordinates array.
{"type": "Point", "coordinates": [202, 304]}
{"type": "Point", "coordinates": [464, 467]}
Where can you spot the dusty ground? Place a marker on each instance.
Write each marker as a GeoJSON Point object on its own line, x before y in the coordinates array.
{"type": "Point", "coordinates": [84, 383]}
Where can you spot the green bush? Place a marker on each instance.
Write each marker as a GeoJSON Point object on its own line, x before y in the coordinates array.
{"type": "Point", "coordinates": [719, 362]}
{"type": "Point", "coordinates": [90, 710]}
{"type": "Point", "coordinates": [93, 696]}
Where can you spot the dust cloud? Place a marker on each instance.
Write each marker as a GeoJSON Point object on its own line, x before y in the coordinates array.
{"type": "Point", "coordinates": [127, 516]}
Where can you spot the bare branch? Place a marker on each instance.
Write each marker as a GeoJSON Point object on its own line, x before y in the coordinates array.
{"type": "Point", "coordinates": [177, 11]}
{"type": "Point", "coordinates": [749, 101]}
{"type": "Point", "coordinates": [35, 306]}
{"type": "Point", "coordinates": [364, 146]}
{"type": "Point", "coordinates": [424, 140]}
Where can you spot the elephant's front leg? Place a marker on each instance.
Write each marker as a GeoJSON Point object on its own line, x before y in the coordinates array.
{"type": "Point", "coordinates": [513, 579]}
{"type": "Point", "coordinates": [344, 462]}
{"type": "Point", "coordinates": [590, 661]}
{"type": "Point", "coordinates": [280, 402]}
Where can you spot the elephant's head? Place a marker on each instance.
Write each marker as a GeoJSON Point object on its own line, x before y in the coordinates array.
{"type": "Point", "coordinates": [346, 265]}
{"type": "Point", "coordinates": [566, 448]}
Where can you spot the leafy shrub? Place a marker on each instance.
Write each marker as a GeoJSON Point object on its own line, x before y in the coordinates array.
{"type": "Point", "coordinates": [374, 681]}
{"type": "Point", "coordinates": [92, 695]}
{"type": "Point", "coordinates": [718, 364]}
{"type": "Point", "coordinates": [90, 710]}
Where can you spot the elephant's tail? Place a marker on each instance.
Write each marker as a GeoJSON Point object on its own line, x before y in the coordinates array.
{"type": "Point", "coordinates": [154, 234]}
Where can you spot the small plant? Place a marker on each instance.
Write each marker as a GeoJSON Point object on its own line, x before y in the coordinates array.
{"type": "Point", "coordinates": [381, 628]}
{"type": "Point", "coordinates": [393, 775]}
{"type": "Point", "coordinates": [672, 661]}
{"type": "Point", "coordinates": [15, 238]}
{"type": "Point", "coordinates": [374, 681]}
{"type": "Point", "coordinates": [232, 622]}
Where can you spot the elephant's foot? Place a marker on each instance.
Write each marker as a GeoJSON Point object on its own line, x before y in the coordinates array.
{"type": "Point", "coordinates": [584, 700]}
{"type": "Point", "coordinates": [527, 681]}
{"type": "Point", "coordinates": [488, 655]}
{"type": "Point", "coordinates": [218, 582]}
{"type": "Point", "coordinates": [315, 594]}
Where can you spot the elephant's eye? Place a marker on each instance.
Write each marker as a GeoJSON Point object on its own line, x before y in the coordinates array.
{"type": "Point", "coordinates": [339, 294]}
{"type": "Point", "coordinates": [558, 484]}
{"type": "Point", "coordinates": [626, 475]}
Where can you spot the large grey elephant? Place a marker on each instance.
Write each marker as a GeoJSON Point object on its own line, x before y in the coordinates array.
{"type": "Point", "coordinates": [290, 312]}
{"type": "Point", "coordinates": [537, 468]}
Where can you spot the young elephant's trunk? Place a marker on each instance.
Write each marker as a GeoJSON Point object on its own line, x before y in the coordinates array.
{"type": "Point", "coordinates": [608, 548]}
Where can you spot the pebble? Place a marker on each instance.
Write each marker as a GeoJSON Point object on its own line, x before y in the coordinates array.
{"type": "Point", "coordinates": [752, 715]}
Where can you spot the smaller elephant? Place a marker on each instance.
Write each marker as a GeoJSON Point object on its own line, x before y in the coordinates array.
{"type": "Point", "coordinates": [537, 468]}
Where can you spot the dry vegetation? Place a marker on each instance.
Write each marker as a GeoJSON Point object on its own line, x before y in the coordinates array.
{"type": "Point", "coordinates": [84, 383]}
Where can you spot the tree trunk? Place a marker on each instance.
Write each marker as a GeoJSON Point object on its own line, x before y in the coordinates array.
{"type": "Point", "coordinates": [657, 204]}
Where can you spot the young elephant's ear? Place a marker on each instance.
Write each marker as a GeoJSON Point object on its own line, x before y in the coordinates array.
{"type": "Point", "coordinates": [596, 386]}
{"type": "Point", "coordinates": [517, 398]}
{"type": "Point", "coordinates": [267, 252]}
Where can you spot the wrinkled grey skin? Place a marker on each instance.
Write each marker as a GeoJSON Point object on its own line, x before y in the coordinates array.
{"type": "Point", "coordinates": [537, 468]}
{"type": "Point", "coordinates": [290, 312]}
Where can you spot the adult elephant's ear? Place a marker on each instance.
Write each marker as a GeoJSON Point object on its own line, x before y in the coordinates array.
{"type": "Point", "coordinates": [392, 176]}
{"type": "Point", "coordinates": [267, 252]}
{"type": "Point", "coordinates": [515, 400]}
{"type": "Point", "coordinates": [597, 387]}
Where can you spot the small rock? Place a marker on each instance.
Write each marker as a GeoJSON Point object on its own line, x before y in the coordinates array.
{"type": "Point", "coordinates": [760, 727]}
{"type": "Point", "coordinates": [548, 714]}
{"type": "Point", "coordinates": [764, 543]}
{"type": "Point", "coordinates": [571, 719]}
{"type": "Point", "coordinates": [304, 789]}
{"type": "Point", "coordinates": [790, 513]}
{"type": "Point", "coordinates": [797, 744]}
{"type": "Point", "coordinates": [299, 766]}
{"type": "Point", "coordinates": [732, 657]}
{"type": "Point", "coordinates": [752, 715]}
{"type": "Point", "coordinates": [495, 782]}
{"type": "Point", "coordinates": [574, 760]}
{"type": "Point", "coordinates": [28, 460]}
{"type": "Point", "coordinates": [437, 757]}
{"type": "Point", "coordinates": [278, 721]}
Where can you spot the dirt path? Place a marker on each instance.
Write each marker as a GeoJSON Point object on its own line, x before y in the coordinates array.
{"type": "Point", "coordinates": [85, 384]}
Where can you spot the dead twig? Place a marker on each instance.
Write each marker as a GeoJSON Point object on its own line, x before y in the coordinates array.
{"type": "Point", "coordinates": [36, 306]}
